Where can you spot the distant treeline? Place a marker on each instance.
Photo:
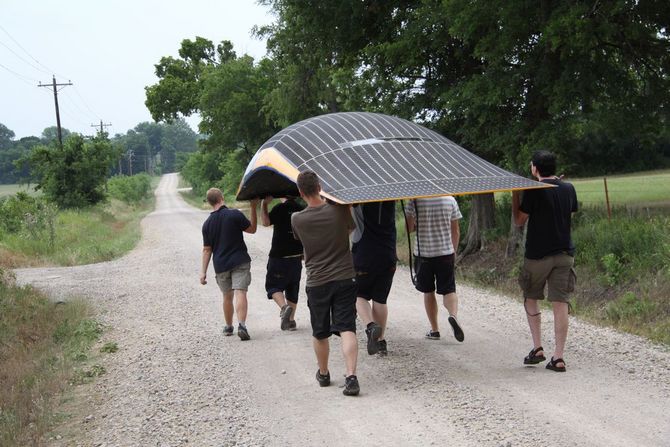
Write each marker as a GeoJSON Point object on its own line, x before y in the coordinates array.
{"type": "Point", "coordinates": [149, 147]}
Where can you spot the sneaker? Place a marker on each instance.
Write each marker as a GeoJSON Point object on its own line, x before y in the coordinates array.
{"type": "Point", "coordinates": [324, 380]}
{"type": "Point", "coordinates": [458, 332]}
{"type": "Point", "coordinates": [351, 386]}
{"type": "Point", "coordinates": [227, 330]}
{"type": "Point", "coordinates": [243, 333]}
{"type": "Point", "coordinates": [285, 315]}
{"type": "Point", "coordinates": [292, 326]}
{"type": "Point", "coordinates": [433, 335]}
{"type": "Point", "coordinates": [382, 348]}
{"type": "Point", "coordinates": [374, 331]}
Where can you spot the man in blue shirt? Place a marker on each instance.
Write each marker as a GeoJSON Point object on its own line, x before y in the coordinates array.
{"type": "Point", "coordinates": [223, 240]}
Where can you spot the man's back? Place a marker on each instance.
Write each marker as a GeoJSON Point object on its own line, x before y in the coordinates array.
{"type": "Point", "coordinates": [433, 218]}
{"type": "Point", "coordinates": [223, 231]}
{"type": "Point", "coordinates": [283, 241]}
{"type": "Point", "coordinates": [324, 233]}
{"type": "Point", "coordinates": [549, 219]}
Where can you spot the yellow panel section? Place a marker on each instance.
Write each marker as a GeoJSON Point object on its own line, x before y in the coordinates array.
{"type": "Point", "coordinates": [272, 158]}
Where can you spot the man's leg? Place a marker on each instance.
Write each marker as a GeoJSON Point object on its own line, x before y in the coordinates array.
{"type": "Point", "coordinates": [560, 328]}
{"type": "Point", "coordinates": [228, 307]}
{"type": "Point", "coordinates": [241, 305]}
{"type": "Point", "coordinates": [279, 298]}
{"type": "Point", "coordinates": [534, 321]}
{"type": "Point", "coordinates": [430, 303]}
{"type": "Point", "coordinates": [380, 315]}
{"type": "Point", "coordinates": [350, 351]}
{"type": "Point", "coordinates": [364, 311]}
{"type": "Point", "coordinates": [451, 303]}
{"type": "Point", "coordinates": [321, 349]}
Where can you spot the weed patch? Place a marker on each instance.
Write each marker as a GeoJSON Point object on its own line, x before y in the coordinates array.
{"type": "Point", "coordinates": [41, 343]}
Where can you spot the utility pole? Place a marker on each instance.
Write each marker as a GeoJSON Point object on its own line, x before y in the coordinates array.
{"type": "Point", "coordinates": [55, 86]}
{"type": "Point", "coordinates": [130, 155]}
{"type": "Point", "coordinates": [102, 126]}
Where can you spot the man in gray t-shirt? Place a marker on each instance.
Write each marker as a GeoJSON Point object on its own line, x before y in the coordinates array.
{"type": "Point", "coordinates": [324, 230]}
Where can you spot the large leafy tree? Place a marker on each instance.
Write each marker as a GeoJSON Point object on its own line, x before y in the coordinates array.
{"type": "Point", "coordinates": [73, 175]}
{"type": "Point", "coordinates": [227, 91]}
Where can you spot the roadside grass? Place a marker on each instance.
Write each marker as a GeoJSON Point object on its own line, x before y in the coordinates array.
{"type": "Point", "coordinates": [44, 347]}
{"type": "Point", "coordinates": [8, 190]}
{"type": "Point", "coordinates": [633, 190]}
{"type": "Point", "coordinates": [198, 201]}
{"type": "Point", "coordinates": [85, 236]}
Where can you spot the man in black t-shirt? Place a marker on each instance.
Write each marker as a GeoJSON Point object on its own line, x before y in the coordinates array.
{"type": "Point", "coordinates": [549, 257]}
{"type": "Point", "coordinates": [374, 254]}
{"type": "Point", "coordinates": [223, 241]}
{"type": "Point", "coordinates": [282, 281]}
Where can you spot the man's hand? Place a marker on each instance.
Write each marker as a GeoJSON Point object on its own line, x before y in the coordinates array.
{"type": "Point", "coordinates": [268, 199]}
{"type": "Point", "coordinates": [254, 203]}
{"type": "Point", "coordinates": [203, 279]}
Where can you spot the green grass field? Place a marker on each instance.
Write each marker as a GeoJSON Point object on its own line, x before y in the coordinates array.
{"type": "Point", "coordinates": [639, 189]}
{"type": "Point", "coordinates": [8, 190]}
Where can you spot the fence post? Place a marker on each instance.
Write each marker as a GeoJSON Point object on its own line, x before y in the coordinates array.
{"type": "Point", "coordinates": [607, 199]}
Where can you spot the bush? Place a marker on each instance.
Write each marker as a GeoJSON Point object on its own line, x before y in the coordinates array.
{"type": "Point", "coordinates": [625, 247]}
{"type": "Point", "coordinates": [29, 217]}
{"type": "Point", "coordinates": [130, 190]}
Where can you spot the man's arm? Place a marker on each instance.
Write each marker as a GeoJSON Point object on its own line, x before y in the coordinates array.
{"type": "Point", "coordinates": [251, 229]}
{"type": "Point", "coordinates": [206, 256]}
{"type": "Point", "coordinates": [409, 216]}
{"type": "Point", "coordinates": [455, 234]}
{"type": "Point", "coordinates": [520, 217]}
{"type": "Point", "coordinates": [265, 215]}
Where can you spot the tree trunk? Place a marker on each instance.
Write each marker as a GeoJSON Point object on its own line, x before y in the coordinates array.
{"type": "Point", "coordinates": [515, 240]}
{"type": "Point", "coordinates": [482, 217]}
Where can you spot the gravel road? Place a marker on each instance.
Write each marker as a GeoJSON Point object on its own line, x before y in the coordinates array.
{"type": "Point", "coordinates": [177, 381]}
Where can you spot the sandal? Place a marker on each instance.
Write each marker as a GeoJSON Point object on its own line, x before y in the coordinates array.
{"type": "Point", "coordinates": [553, 365]}
{"type": "Point", "coordinates": [533, 359]}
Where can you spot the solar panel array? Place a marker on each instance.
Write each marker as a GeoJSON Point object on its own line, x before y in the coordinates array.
{"type": "Point", "coordinates": [361, 156]}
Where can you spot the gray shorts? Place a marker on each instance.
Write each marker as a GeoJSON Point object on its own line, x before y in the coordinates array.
{"type": "Point", "coordinates": [555, 271]}
{"type": "Point", "coordinates": [238, 278]}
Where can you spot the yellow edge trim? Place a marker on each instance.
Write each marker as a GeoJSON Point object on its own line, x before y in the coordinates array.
{"type": "Point", "coordinates": [272, 158]}
{"type": "Point", "coordinates": [328, 196]}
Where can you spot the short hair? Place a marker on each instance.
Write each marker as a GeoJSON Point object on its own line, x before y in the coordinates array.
{"type": "Point", "coordinates": [545, 162]}
{"type": "Point", "coordinates": [308, 183]}
{"type": "Point", "coordinates": [214, 196]}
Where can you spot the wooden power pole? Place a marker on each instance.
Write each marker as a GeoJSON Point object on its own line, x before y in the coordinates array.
{"type": "Point", "coordinates": [102, 126]}
{"type": "Point", "coordinates": [55, 86]}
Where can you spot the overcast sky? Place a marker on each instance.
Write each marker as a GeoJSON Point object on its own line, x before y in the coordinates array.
{"type": "Point", "coordinates": [108, 50]}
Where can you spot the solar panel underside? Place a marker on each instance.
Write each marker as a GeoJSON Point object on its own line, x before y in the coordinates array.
{"type": "Point", "coordinates": [361, 157]}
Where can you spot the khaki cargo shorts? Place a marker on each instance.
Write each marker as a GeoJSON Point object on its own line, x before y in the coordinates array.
{"type": "Point", "coordinates": [556, 271]}
{"type": "Point", "coordinates": [238, 278]}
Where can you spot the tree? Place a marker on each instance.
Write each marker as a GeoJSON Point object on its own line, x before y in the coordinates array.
{"type": "Point", "coordinates": [74, 175]}
{"type": "Point", "coordinates": [6, 137]}
{"type": "Point", "coordinates": [229, 93]}
{"type": "Point", "coordinates": [50, 134]}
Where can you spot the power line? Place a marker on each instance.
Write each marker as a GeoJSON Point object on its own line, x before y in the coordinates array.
{"type": "Point", "coordinates": [24, 60]}
{"type": "Point", "coordinates": [85, 103]}
{"type": "Point", "coordinates": [26, 51]}
{"type": "Point", "coordinates": [19, 76]}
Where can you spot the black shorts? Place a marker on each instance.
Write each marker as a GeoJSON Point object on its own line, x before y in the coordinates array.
{"type": "Point", "coordinates": [284, 276]}
{"type": "Point", "coordinates": [438, 270]}
{"type": "Point", "coordinates": [332, 308]}
{"type": "Point", "coordinates": [375, 286]}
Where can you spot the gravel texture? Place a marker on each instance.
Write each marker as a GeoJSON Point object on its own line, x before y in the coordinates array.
{"type": "Point", "coordinates": [176, 380]}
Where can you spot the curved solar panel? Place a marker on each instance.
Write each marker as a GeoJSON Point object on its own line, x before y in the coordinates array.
{"type": "Point", "coordinates": [365, 157]}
